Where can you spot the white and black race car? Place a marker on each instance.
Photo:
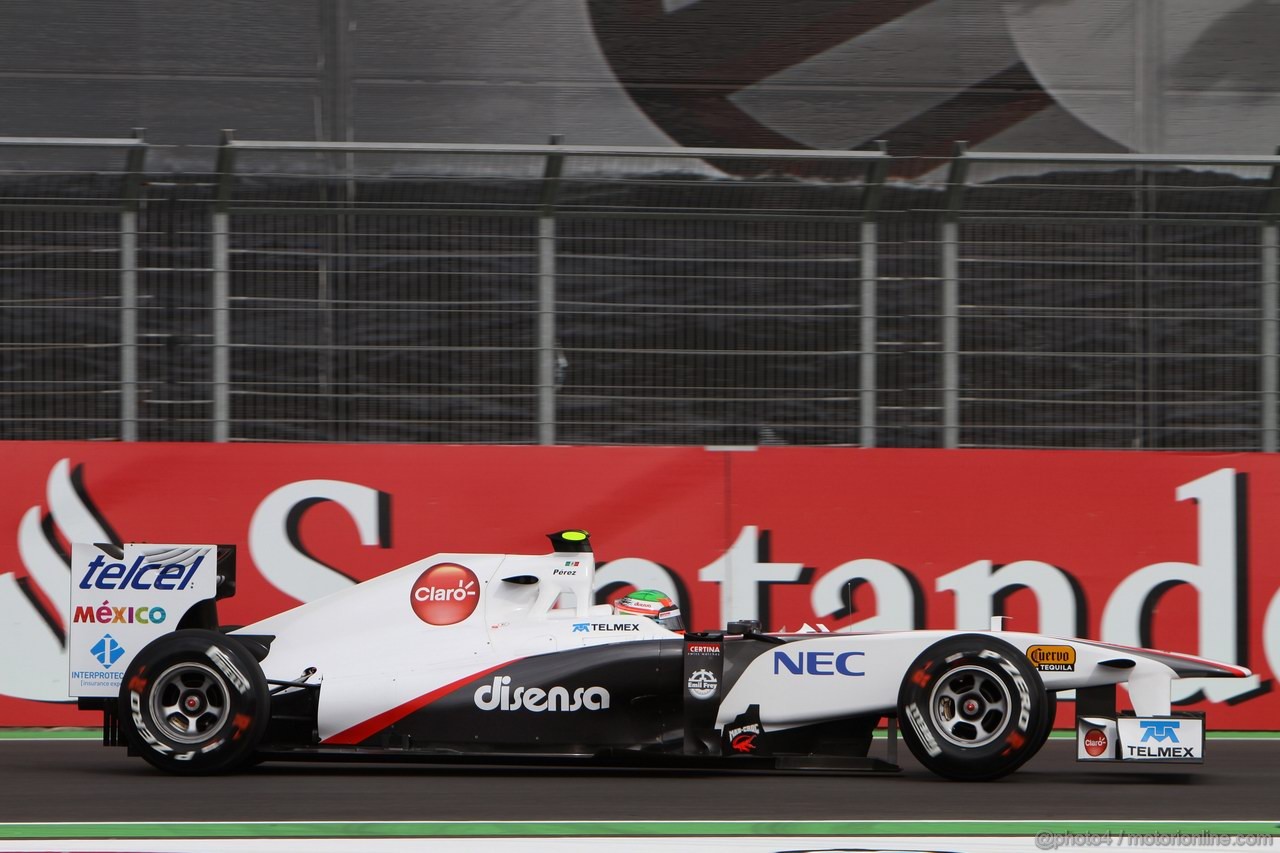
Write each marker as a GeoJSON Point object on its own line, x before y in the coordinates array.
{"type": "Point", "coordinates": [505, 658]}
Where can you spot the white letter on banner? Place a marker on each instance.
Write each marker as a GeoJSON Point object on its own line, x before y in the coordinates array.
{"type": "Point", "coordinates": [277, 550]}
{"type": "Point", "coordinates": [1271, 633]}
{"type": "Point", "coordinates": [640, 573]}
{"type": "Point", "coordinates": [1214, 579]}
{"type": "Point", "coordinates": [897, 604]}
{"type": "Point", "coordinates": [741, 573]}
{"type": "Point", "coordinates": [977, 585]}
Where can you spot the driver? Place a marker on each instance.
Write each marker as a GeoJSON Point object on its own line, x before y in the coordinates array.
{"type": "Point", "coordinates": [658, 606]}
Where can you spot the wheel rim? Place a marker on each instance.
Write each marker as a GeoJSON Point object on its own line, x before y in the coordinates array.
{"type": "Point", "coordinates": [189, 702]}
{"type": "Point", "coordinates": [970, 706]}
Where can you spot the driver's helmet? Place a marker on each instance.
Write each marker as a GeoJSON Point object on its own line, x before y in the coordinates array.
{"type": "Point", "coordinates": [658, 606]}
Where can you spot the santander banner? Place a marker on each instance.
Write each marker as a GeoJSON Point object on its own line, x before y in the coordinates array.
{"type": "Point", "coordinates": [1173, 551]}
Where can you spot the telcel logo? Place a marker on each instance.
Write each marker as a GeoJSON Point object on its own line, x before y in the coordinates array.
{"type": "Point", "coordinates": [1160, 730]}
{"type": "Point", "coordinates": [815, 663]}
{"type": "Point", "coordinates": [140, 575]}
{"type": "Point", "coordinates": [445, 594]}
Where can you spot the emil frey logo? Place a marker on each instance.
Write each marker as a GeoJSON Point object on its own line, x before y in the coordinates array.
{"type": "Point", "coordinates": [1160, 730]}
{"type": "Point", "coordinates": [703, 684]}
{"type": "Point", "coordinates": [445, 594]}
{"type": "Point", "coordinates": [107, 651]}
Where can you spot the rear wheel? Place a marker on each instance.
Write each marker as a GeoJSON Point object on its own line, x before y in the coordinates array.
{"type": "Point", "coordinates": [973, 708]}
{"type": "Point", "coordinates": [194, 702]}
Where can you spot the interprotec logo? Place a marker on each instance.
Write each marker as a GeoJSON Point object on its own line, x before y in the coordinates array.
{"type": "Point", "coordinates": [1095, 742]}
{"type": "Point", "coordinates": [445, 594]}
{"type": "Point", "coordinates": [107, 650]}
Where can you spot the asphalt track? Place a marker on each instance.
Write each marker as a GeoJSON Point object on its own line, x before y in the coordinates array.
{"type": "Point", "coordinates": [83, 781]}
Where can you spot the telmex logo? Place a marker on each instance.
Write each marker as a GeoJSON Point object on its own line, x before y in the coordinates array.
{"type": "Point", "coordinates": [1052, 658]}
{"type": "Point", "coordinates": [1160, 730]}
{"type": "Point", "coordinates": [104, 575]}
{"type": "Point", "coordinates": [499, 696]}
{"type": "Point", "coordinates": [588, 627]}
{"type": "Point", "coordinates": [814, 663]}
{"type": "Point", "coordinates": [445, 594]}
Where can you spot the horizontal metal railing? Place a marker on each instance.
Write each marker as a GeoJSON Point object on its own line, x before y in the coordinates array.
{"type": "Point", "coordinates": [557, 293]}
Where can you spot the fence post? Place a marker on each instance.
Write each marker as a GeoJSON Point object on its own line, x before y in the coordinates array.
{"type": "Point", "coordinates": [129, 289]}
{"type": "Point", "coordinates": [547, 297]}
{"type": "Point", "coordinates": [1270, 306]}
{"type": "Point", "coordinates": [956, 178]}
{"type": "Point", "coordinates": [867, 321]}
{"type": "Point", "coordinates": [222, 293]}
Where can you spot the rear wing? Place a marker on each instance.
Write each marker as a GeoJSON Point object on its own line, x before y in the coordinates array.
{"type": "Point", "coordinates": [124, 597]}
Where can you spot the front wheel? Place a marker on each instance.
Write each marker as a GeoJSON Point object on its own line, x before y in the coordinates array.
{"type": "Point", "coordinates": [194, 702]}
{"type": "Point", "coordinates": [972, 707]}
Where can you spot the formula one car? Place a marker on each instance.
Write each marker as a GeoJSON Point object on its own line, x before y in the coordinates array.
{"type": "Point", "coordinates": [501, 658]}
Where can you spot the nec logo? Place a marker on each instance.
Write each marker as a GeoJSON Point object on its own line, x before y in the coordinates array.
{"type": "Point", "coordinates": [814, 663]}
{"type": "Point", "coordinates": [1160, 730]}
{"type": "Point", "coordinates": [141, 575]}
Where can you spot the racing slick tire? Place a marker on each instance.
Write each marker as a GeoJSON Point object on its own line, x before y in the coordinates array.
{"type": "Point", "coordinates": [1051, 700]}
{"type": "Point", "coordinates": [194, 702]}
{"type": "Point", "coordinates": [973, 708]}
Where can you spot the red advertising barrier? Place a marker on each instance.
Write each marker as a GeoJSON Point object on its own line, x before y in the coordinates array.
{"type": "Point", "coordinates": [1167, 550]}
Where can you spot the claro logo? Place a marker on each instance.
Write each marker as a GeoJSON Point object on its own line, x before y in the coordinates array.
{"type": "Point", "coordinates": [501, 696]}
{"type": "Point", "coordinates": [1095, 742]}
{"type": "Point", "coordinates": [445, 594]}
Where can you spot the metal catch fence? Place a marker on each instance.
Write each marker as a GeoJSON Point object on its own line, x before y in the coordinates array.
{"type": "Point", "coordinates": [559, 294]}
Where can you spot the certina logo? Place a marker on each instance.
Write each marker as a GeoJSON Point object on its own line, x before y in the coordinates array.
{"type": "Point", "coordinates": [703, 684]}
{"type": "Point", "coordinates": [1160, 730]}
{"type": "Point", "coordinates": [1095, 742]}
{"type": "Point", "coordinates": [139, 575]}
{"type": "Point", "coordinates": [816, 663]}
{"type": "Point", "coordinates": [1052, 658]}
{"type": "Point", "coordinates": [607, 627]}
{"type": "Point", "coordinates": [107, 651]}
{"type": "Point", "coordinates": [106, 613]}
{"type": "Point", "coordinates": [703, 649]}
{"type": "Point", "coordinates": [445, 594]}
{"type": "Point", "coordinates": [501, 696]}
